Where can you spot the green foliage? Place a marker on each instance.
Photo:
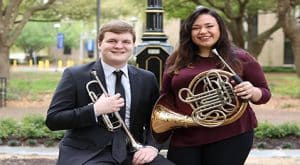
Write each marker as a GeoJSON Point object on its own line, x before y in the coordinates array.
{"type": "Point", "coordinates": [35, 36]}
{"type": "Point", "coordinates": [49, 143]}
{"type": "Point", "coordinates": [262, 145]}
{"type": "Point", "coordinates": [267, 130]}
{"type": "Point", "coordinates": [72, 9]}
{"type": "Point", "coordinates": [32, 142]}
{"type": "Point", "coordinates": [179, 8]}
{"type": "Point", "coordinates": [14, 142]}
{"type": "Point", "coordinates": [286, 145]}
{"type": "Point", "coordinates": [182, 8]}
{"type": "Point", "coordinates": [261, 5]}
{"type": "Point", "coordinates": [7, 128]}
{"type": "Point", "coordinates": [279, 69]}
{"type": "Point", "coordinates": [110, 10]}
{"type": "Point", "coordinates": [71, 31]}
{"type": "Point", "coordinates": [86, 10]}
{"type": "Point", "coordinates": [45, 35]}
{"type": "Point", "coordinates": [32, 127]}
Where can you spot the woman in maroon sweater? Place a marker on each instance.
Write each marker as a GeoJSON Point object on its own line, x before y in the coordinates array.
{"type": "Point", "coordinates": [202, 31]}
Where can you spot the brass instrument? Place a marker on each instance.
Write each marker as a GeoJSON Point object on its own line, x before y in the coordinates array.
{"type": "Point", "coordinates": [111, 126]}
{"type": "Point", "coordinates": [211, 97]}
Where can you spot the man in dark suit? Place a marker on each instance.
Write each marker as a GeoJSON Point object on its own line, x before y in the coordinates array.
{"type": "Point", "coordinates": [87, 139]}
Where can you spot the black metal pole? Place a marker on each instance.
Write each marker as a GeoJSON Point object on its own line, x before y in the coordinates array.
{"type": "Point", "coordinates": [154, 22]}
{"type": "Point", "coordinates": [98, 26]}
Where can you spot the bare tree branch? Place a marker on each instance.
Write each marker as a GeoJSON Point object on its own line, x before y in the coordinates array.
{"type": "Point", "coordinates": [25, 18]}
{"type": "Point", "coordinates": [213, 4]}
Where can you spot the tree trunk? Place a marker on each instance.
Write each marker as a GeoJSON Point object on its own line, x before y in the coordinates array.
{"type": "Point", "coordinates": [236, 30]}
{"type": "Point", "coordinates": [257, 41]}
{"type": "Point", "coordinates": [252, 32]}
{"type": "Point", "coordinates": [291, 28]}
{"type": "Point", "coordinates": [4, 61]}
{"type": "Point", "coordinates": [257, 44]}
{"type": "Point", "coordinates": [296, 50]}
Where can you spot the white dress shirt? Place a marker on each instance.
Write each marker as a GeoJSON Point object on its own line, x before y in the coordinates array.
{"type": "Point", "coordinates": [110, 80]}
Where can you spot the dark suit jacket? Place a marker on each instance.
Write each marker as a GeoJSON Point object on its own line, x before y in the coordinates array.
{"type": "Point", "coordinates": [70, 110]}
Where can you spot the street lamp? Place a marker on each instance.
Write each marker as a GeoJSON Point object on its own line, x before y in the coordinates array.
{"type": "Point", "coordinates": [56, 27]}
{"type": "Point", "coordinates": [133, 20]}
{"type": "Point", "coordinates": [98, 13]}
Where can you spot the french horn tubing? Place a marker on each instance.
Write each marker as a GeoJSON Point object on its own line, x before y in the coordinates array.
{"type": "Point", "coordinates": [211, 98]}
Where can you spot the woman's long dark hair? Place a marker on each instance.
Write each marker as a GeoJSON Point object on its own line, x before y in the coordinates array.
{"type": "Point", "coordinates": [187, 51]}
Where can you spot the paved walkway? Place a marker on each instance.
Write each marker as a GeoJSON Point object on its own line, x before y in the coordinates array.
{"type": "Point", "coordinates": [256, 157]}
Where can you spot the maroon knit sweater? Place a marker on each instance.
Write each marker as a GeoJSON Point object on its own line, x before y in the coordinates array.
{"type": "Point", "coordinates": [195, 136]}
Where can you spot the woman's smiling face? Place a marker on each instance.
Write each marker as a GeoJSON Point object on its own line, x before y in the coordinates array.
{"type": "Point", "coordinates": [205, 31]}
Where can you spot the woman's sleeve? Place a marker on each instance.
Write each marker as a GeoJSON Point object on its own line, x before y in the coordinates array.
{"type": "Point", "coordinates": [252, 72]}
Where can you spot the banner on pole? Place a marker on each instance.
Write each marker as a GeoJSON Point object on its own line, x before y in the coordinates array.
{"type": "Point", "coordinates": [60, 41]}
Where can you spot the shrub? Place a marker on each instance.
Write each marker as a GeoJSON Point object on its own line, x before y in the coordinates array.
{"type": "Point", "coordinates": [32, 126]}
{"type": "Point", "coordinates": [282, 69]}
{"type": "Point", "coordinates": [7, 127]}
{"type": "Point", "coordinates": [267, 130]}
{"type": "Point", "coordinates": [262, 145]}
{"type": "Point", "coordinates": [14, 142]}
{"type": "Point", "coordinates": [32, 142]}
{"type": "Point", "coordinates": [286, 145]}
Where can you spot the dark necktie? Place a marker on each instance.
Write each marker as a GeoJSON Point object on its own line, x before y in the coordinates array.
{"type": "Point", "coordinates": [120, 89]}
{"type": "Point", "coordinates": [119, 148]}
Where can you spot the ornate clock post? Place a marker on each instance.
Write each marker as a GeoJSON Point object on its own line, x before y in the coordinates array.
{"type": "Point", "coordinates": [152, 53]}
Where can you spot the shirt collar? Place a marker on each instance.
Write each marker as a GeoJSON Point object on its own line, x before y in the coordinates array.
{"type": "Point", "coordinates": [108, 70]}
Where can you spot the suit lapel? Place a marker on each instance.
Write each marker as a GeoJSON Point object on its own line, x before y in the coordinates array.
{"type": "Point", "coordinates": [100, 73]}
{"type": "Point", "coordinates": [134, 80]}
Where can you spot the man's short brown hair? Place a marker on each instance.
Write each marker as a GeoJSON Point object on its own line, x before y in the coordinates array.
{"type": "Point", "coordinates": [116, 26]}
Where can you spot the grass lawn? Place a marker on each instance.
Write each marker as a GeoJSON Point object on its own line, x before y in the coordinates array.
{"type": "Point", "coordinates": [285, 84]}
{"type": "Point", "coordinates": [33, 84]}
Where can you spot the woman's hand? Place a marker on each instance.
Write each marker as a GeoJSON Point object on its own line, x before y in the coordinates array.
{"type": "Point", "coordinates": [247, 91]}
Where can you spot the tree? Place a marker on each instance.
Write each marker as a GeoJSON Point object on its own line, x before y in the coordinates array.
{"type": "Point", "coordinates": [291, 26]}
{"type": "Point", "coordinates": [14, 16]}
{"type": "Point", "coordinates": [34, 37]}
{"type": "Point", "coordinates": [37, 35]}
{"type": "Point", "coordinates": [16, 13]}
{"type": "Point", "coordinates": [236, 14]}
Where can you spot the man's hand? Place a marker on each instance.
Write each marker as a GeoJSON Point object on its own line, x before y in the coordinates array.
{"type": "Point", "coordinates": [144, 155]}
{"type": "Point", "coordinates": [108, 104]}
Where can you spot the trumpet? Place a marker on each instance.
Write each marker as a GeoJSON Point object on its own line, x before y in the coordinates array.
{"type": "Point", "coordinates": [111, 126]}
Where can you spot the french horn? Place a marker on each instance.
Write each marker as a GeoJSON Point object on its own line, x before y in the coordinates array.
{"type": "Point", "coordinates": [212, 100]}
